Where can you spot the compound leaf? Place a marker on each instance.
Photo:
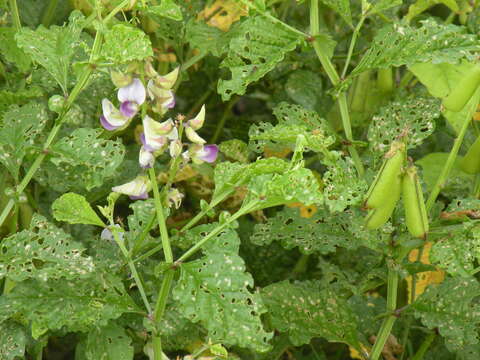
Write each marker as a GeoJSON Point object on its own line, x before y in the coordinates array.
{"type": "Point", "coordinates": [257, 45]}
{"type": "Point", "coordinates": [213, 290]}
{"type": "Point", "coordinates": [401, 44]}
{"type": "Point", "coordinates": [12, 341]}
{"type": "Point", "coordinates": [75, 209]}
{"type": "Point", "coordinates": [43, 252]}
{"type": "Point", "coordinates": [306, 310]}
{"type": "Point", "coordinates": [450, 307]}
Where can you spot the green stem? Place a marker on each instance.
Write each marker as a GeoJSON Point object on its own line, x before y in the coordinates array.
{"type": "Point", "coordinates": [49, 13]}
{"type": "Point", "coordinates": [160, 310]}
{"type": "Point", "coordinates": [424, 346]}
{"type": "Point", "coordinates": [167, 250]}
{"type": "Point", "coordinates": [356, 32]}
{"type": "Point", "coordinates": [192, 61]}
{"type": "Point", "coordinates": [173, 168]}
{"type": "Point", "coordinates": [133, 269]}
{"type": "Point", "coordinates": [223, 119]}
{"type": "Point", "coordinates": [448, 165]}
{"type": "Point", "coordinates": [242, 211]}
{"type": "Point", "coordinates": [116, 10]}
{"type": "Point", "coordinates": [15, 14]}
{"type": "Point", "coordinates": [157, 348]}
{"type": "Point", "coordinates": [79, 86]}
{"type": "Point", "coordinates": [335, 80]}
{"type": "Point", "coordinates": [386, 328]}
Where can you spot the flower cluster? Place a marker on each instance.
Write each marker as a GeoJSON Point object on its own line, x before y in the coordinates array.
{"type": "Point", "coordinates": [156, 136]}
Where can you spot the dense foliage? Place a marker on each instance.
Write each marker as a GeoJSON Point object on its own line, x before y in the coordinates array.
{"type": "Point", "coordinates": [241, 179]}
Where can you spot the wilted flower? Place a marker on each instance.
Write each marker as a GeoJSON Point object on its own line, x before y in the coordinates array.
{"type": "Point", "coordinates": [203, 153]}
{"type": "Point", "coordinates": [164, 99]}
{"type": "Point", "coordinates": [175, 198]}
{"type": "Point", "coordinates": [175, 148]}
{"type": "Point", "coordinates": [138, 188]}
{"type": "Point", "coordinates": [145, 158]}
{"type": "Point", "coordinates": [108, 235]}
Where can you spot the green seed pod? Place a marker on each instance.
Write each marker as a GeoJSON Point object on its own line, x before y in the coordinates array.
{"type": "Point", "coordinates": [471, 161]}
{"type": "Point", "coordinates": [464, 90]}
{"type": "Point", "coordinates": [388, 180]}
{"type": "Point", "coordinates": [415, 211]}
{"type": "Point", "coordinates": [380, 215]}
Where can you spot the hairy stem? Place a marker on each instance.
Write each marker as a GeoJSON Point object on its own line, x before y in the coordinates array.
{"type": "Point", "coordinates": [386, 328]}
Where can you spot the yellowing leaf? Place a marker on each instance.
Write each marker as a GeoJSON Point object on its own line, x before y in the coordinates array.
{"type": "Point", "coordinates": [355, 354]}
{"type": "Point", "coordinates": [223, 13]}
{"type": "Point", "coordinates": [424, 278]}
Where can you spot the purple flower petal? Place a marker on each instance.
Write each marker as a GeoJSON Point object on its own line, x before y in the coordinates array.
{"type": "Point", "coordinates": [106, 125]}
{"type": "Point", "coordinates": [208, 153]}
{"type": "Point", "coordinates": [170, 104]}
{"type": "Point", "coordinates": [128, 109]}
{"type": "Point", "coordinates": [134, 92]}
{"type": "Point", "coordinates": [142, 196]}
{"type": "Point", "coordinates": [112, 115]}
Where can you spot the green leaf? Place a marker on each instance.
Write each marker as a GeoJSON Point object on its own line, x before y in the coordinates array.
{"type": "Point", "coordinates": [53, 48]}
{"type": "Point", "coordinates": [456, 253]}
{"type": "Point", "coordinates": [305, 88]}
{"type": "Point", "coordinates": [319, 233]}
{"type": "Point", "coordinates": [43, 252]}
{"type": "Point", "coordinates": [82, 160]}
{"type": "Point", "coordinates": [235, 149]}
{"type": "Point", "coordinates": [213, 290]}
{"type": "Point", "coordinates": [125, 43]}
{"type": "Point", "coordinates": [296, 185]}
{"type": "Point", "coordinates": [342, 187]}
{"type": "Point", "coordinates": [205, 38]}
{"type": "Point", "coordinates": [12, 341]}
{"type": "Point", "coordinates": [11, 52]}
{"type": "Point", "coordinates": [17, 97]}
{"type": "Point", "coordinates": [75, 209]}
{"type": "Point", "coordinates": [19, 128]}
{"type": "Point", "coordinates": [342, 7]}
{"type": "Point", "coordinates": [450, 307]}
{"type": "Point", "coordinates": [293, 120]}
{"type": "Point", "coordinates": [382, 5]}
{"type": "Point", "coordinates": [168, 9]}
{"type": "Point", "coordinates": [76, 304]}
{"type": "Point", "coordinates": [108, 343]}
{"type": "Point", "coordinates": [401, 44]}
{"type": "Point", "coordinates": [258, 44]}
{"type": "Point", "coordinates": [306, 310]}
{"type": "Point", "coordinates": [421, 5]}
{"type": "Point", "coordinates": [457, 119]}
{"type": "Point", "coordinates": [412, 116]}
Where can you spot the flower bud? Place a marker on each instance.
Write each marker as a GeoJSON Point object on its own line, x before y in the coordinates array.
{"type": "Point", "coordinates": [197, 122]}
{"type": "Point", "coordinates": [175, 148]}
{"type": "Point", "coordinates": [193, 136]}
{"type": "Point", "coordinates": [120, 79]}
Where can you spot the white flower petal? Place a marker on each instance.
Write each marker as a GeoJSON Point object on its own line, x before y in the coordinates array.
{"type": "Point", "coordinates": [193, 136]}
{"type": "Point", "coordinates": [135, 92]}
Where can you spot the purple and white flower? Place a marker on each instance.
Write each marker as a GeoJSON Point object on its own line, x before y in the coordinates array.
{"type": "Point", "coordinates": [203, 153]}
{"type": "Point", "coordinates": [130, 97]}
{"type": "Point", "coordinates": [155, 134]}
{"type": "Point", "coordinates": [136, 189]}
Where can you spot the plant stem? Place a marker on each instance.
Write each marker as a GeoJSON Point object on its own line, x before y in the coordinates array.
{"type": "Point", "coordinates": [335, 80]}
{"type": "Point", "coordinates": [448, 165]}
{"type": "Point", "coordinates": [49, 12]}
{"type": "Point", "coordinates": [386, 328]}
{"type": "Point", "coordinates": [160, 310]}
{"type": "Point", "coordinates": [116, 10]}
{"type": "Point", "coordinates": [355, 34]}
{"type": "Point", "coordinates": [133, 269]}
{"type": "Point", "coordinates": [167, 250]}
{"type": "Point", "coordinates": [15, 14]}
{"type": "Point", "coordinates": [242, 211]}
{"type": "Point", "coordinates": [424, 346]}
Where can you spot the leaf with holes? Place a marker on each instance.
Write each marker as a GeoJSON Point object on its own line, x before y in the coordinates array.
{"type": "Point", "coordinates": [177, 331]}
{"type": "Point", "coordinates": [235, 149]}
{"type": "Point", "coordinates": [293, 120]}
{"type": "Point", "coordinates": [11, 52]}
{"type": "Point", "coordinates": [76, 304]}
{"type": "Point", "coordinates": [124, 43]}
{"type": "Point", "coordinates": [213, 290]}
{"type": "Point", "coordinates": [256, 47]}
{"type": "Point", "coordinates": [19, 128]}
{"type": "Point", "coordinates": [401, 44]}
{"type": "Point", "coordinates": [450, 307]}
{"type": "Point", "coordinates": [12, 341]}
{"type": "Point", "coordinates": [53, 48]}
{"type": "Point", "coordinates": [305, 310]}
{"type": "Point", "coordinates": [342, 187]}
{"type": "Point", "coordinates": [81, 161]}
{"type": "Point", "coordinates": [75, 209]}
{"type": "Point", "coordinates": [168, 9]}
{"type": "Point", "coordinates": [205, 38]}
{"type": "Point", "coordinates": [411, 116]}
{"type": "Point", "coordinates": [108, 343]}
{"type": "Point", "coordinates": [295, 185]}
{"type": "Point", "coordinates": [43, 252]}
